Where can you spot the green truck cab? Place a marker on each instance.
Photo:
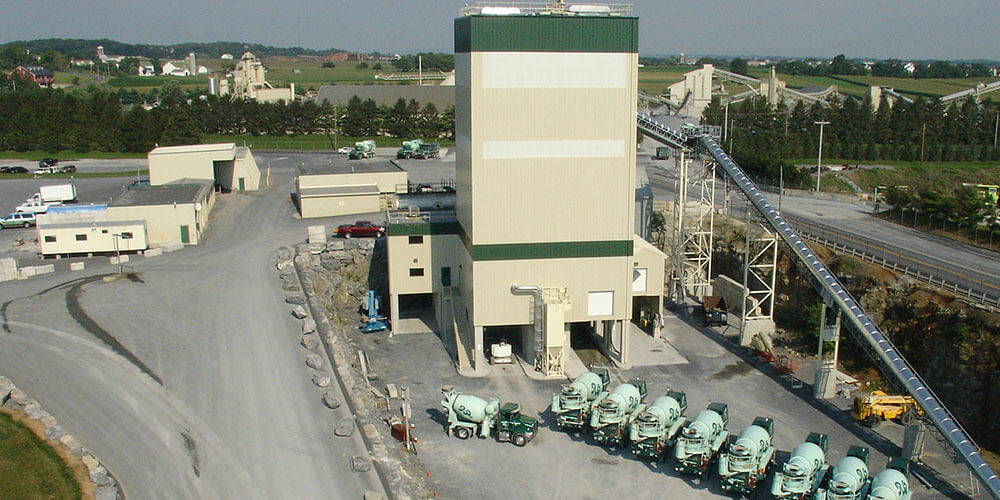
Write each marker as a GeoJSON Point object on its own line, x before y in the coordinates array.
{"type": "Point", "coordinates": [514, 427]}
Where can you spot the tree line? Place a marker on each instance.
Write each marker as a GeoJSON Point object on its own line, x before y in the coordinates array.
{"type": "Point", "coordinates": [925, 129]}
{"type": "Point", "coordinates": [840, 65]}
{"type": "Point", "coordinates": [98, 119]}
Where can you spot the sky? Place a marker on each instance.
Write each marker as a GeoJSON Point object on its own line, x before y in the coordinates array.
{"type": "Point", "coordinates": [860, 29]}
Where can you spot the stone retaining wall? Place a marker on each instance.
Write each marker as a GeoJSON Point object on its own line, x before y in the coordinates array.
{"type": "Point", "coordinates": [15, 399]}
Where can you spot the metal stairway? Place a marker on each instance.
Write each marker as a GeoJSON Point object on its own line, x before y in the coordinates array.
{"type": "Point", "coordinates": [834, 294]}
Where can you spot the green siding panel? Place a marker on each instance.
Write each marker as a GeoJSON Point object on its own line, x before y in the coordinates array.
{"type": "Point", "coordinates": [546, 34]}
{"type": "Point", "coordinates": [557, 250]}
{"type": "Point", "coordinates": [424, 228]}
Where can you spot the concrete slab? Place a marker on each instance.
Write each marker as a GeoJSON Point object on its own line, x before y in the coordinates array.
{"type": "Point", "coordinates": [46, 269]}
{"type": "Point", "coordinates": [644, 350]}
{"type": "Point", "coordinates": [153, 252]}
{"type": "Point", "coordinates": [77, 266]}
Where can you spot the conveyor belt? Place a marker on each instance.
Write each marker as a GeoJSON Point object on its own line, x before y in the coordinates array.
{"type": "Point", "coordinates": [836, 296]}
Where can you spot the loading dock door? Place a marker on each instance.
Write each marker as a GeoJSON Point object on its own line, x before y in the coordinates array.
{"type": "Point", "coordinates": [185, 237]}
{"type": "Point", "coordinates": [242, 184]}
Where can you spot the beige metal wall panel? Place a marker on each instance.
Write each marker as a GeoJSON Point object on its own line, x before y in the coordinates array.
{"type": "Point", "coordinates": [97, 237]}
{"type": "Point", "coordinates": [463, 146]}
{"type": "Point", "coordinates": [168, 164]}
{"type": "Point", "coordinates": [651, 259]}
{"type": "Point", "coordinates": [562, 154]}
{"type": "Point", "coordinates": [331, 206]}
{"type": "Point", "coordinates": [495, 305]}
{"type": "Point", "coordinates": [246, 167]}
{"type": "Point", "coordinates": [554, 70]}
{"type": "Point", "coordinates": [404, 256]}
{"type": "Point", "coordinates": [434, 253]}
{"type": "Point", "coordinates": [163, 222]}
{"type": "Point", "coordinates": [387, 182]}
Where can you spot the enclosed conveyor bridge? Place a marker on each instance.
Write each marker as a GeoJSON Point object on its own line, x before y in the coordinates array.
{"type": "Point", "coordinates": [836, 296]}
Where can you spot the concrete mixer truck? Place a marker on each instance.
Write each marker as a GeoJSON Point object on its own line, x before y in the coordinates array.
{"type": "Point", "coordinates": [468, 415]}
{"type": "Point", "coordinates": [744, 465]}
{"type": "Point", "coordinates": [575, 402]}
{"type": "Point", "coordinates": [409, 149]}
{"type": "Point", "coordinates": [701, 440]}
{"type": "Point", "coordinates": [891, 483]}
{"type": "Point", "coordinates": [849, 478]}
{"type": "Point", "coordinates": [614, 412]}
{"type": "Point", "coordinates": [363, 149]}
{"type": "Point", "coordinates": [655, 429]}
{"type": "Point", "coordinates": [802, 474]}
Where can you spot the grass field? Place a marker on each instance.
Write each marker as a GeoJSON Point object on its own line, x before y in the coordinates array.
{"type": "Point", "coordinates": [30, 468]}
{"type": "Point", "coordinates": [945, 176]}
{"type": "Point", "coordinates": [66, 156]}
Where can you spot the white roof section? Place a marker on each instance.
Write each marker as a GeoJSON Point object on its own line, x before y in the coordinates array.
{"type": "Point", "coordinates": [195, 148]}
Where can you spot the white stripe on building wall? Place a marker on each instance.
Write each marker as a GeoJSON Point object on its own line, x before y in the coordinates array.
{"type": "Point", "coordinates": [510, 150]}
{"type": "Point", "coordinates": [553, 70]}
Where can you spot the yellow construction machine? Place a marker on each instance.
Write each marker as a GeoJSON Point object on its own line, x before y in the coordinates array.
{"type": "Point", "coordinates": [874, 407]}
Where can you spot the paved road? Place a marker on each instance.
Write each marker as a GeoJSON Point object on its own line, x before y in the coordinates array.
{"type": "Point", "coordinates": [206, 394]}
{"type": "Point", "coordinates": [978, 268]}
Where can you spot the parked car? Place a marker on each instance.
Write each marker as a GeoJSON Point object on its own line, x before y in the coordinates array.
{"type": "Point", "coordinates": [360, 228]}
{"type": "Point", "coordinates": [344, 150]}
{"type": "Point", "coordinates": [13, 170]}
{"type": "Point", "coordinates": [144, 182]}
{"type": "Point", "coordinates": [46, 170]}
{"type": "Point", "coordinates": [47, 162]}
{"type": "Point", "coordinates": [67, 169]}
{"type": "Point", "coordinates": [18, 219]}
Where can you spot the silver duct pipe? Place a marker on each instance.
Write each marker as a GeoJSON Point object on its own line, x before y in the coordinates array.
{"type": "Point", "coordinates": [537, 292]}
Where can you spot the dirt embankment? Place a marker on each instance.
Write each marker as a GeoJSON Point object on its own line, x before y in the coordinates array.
{"type": "Point", "coordinates": [954, 346]}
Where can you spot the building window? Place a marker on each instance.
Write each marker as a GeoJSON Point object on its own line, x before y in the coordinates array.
{"type": "Point", "coordinates": [416, 271]}
{"type": "Point", "coordinates": [600, 303]}
{"type": "Point", "coordinates": [416, 240]}
{"type": "Point", "coordinates": [104, 231]}
{"type": "Point", "coordinates": [81, 237]}
{"type": "Point", "coordinates": [50, 239]}
{"type": "Point", "coordinates": [126, 235]}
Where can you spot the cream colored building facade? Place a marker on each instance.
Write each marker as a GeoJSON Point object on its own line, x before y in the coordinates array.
{"type": "Point", "coordinates": [172, 213]}
{"type": "Point", "coordinates": [76, 238]}
{"type": "Point", "coordinates": [355, 188]}
{"type": "Point", "coordinates": [542, 235]}
{"type": "Point", "coordinates": [233, 168]}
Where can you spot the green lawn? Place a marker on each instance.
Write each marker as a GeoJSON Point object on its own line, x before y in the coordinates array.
{"type": "Point", "coordinates": [946, 176]}
{"type": "Point", "coordinates": [66, 156]}
{"type": "Point", "coordinates": [29, 468]}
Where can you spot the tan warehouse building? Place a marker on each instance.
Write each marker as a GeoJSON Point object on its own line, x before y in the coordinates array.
{"type": "Point", "coordinates": [542, 235]}
{"type": "Point", "coordinates": [231, 168]}
{"type": "Point", "coordinates": [134, 219]}
{"type": "Point", "coordinates": [357, 187]}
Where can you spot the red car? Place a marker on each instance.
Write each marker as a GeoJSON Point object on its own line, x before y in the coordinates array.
{"type": "Point", "coordinates": [361, 228]}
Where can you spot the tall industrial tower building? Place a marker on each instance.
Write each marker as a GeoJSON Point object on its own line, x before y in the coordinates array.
{"type": "Point", "coordinates": [545, 109]}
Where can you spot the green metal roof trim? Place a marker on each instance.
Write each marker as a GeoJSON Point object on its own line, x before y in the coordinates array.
{"type": "Point", "coordinates": [556, 250]}
{"type": "Point", "coordinates": [547, 34]}
{"type": "Point", "coordinates": [420, 228]}
{"type": "Point", "coordinates": [517, 251]}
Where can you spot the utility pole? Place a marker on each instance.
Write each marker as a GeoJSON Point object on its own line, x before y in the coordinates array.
{"type": "Point", "coordinates": [996, 128]}
{"type": "Point", "coordinates": [923, 137]}
{"type": "Point", "coordinates": [819, 156]}
{"type": "Point", "coordinates": [781, 185]}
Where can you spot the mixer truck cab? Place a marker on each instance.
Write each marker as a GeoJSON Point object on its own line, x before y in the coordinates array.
{"type": "Point", "coordinates": [515, 427]}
